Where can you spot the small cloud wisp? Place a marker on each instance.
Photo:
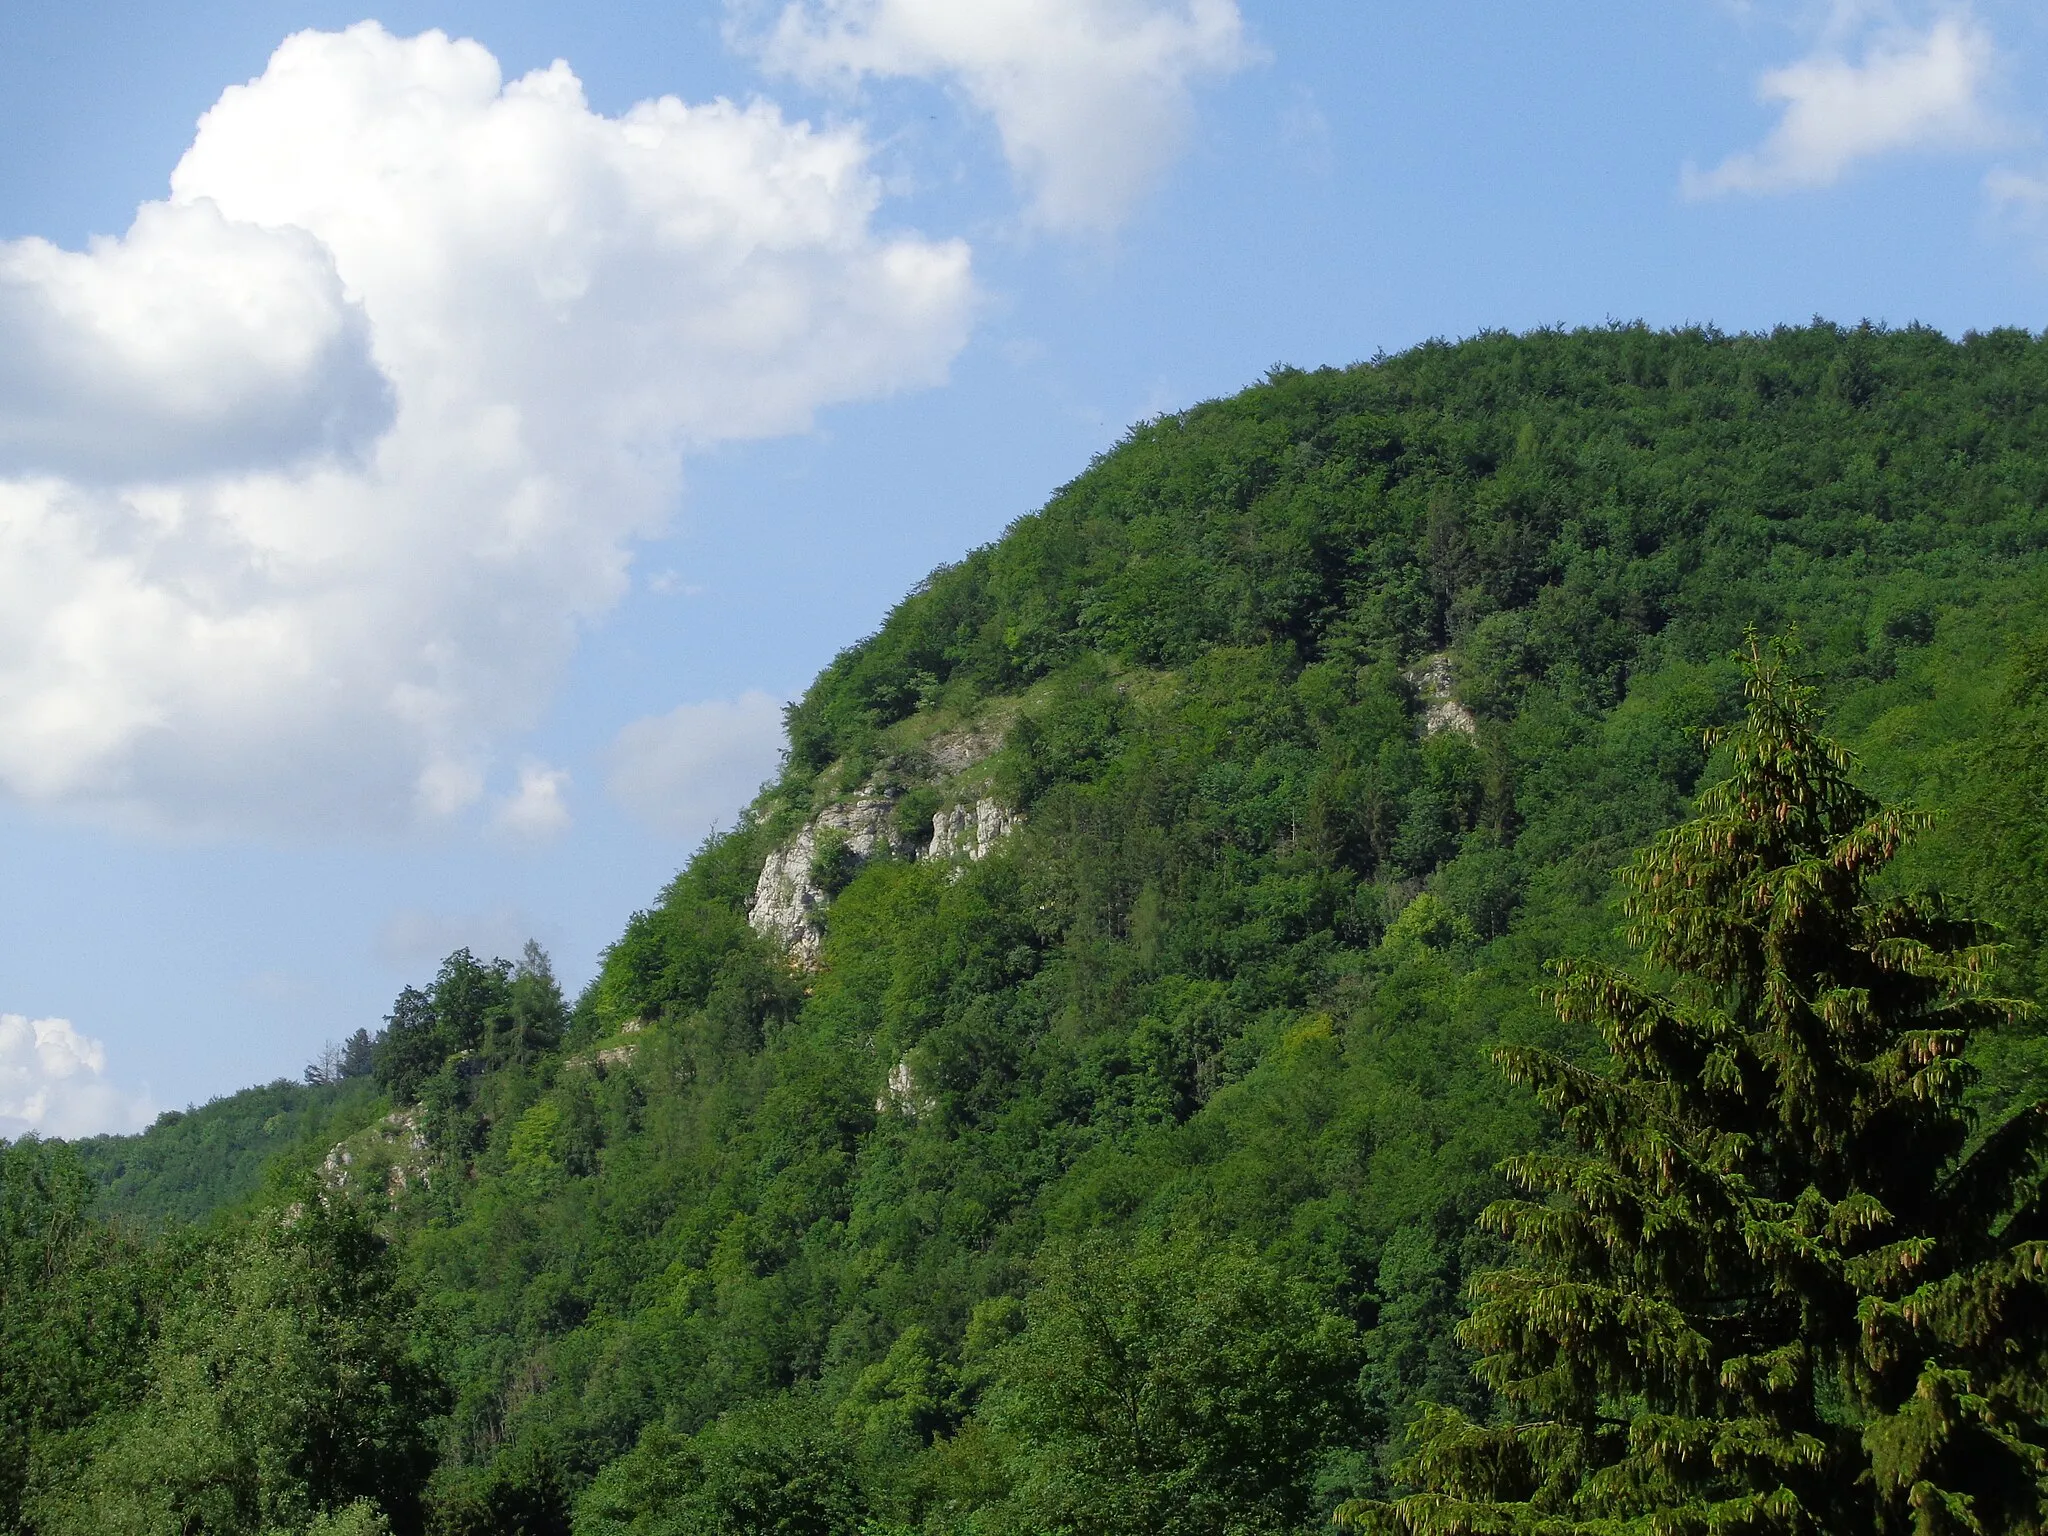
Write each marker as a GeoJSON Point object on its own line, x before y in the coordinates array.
{"type": "Point", "coordinates": [680, 772]}
{"type": "Point", "coordinates": [1908, 91]}
{"type": "Point", "coordinates": [1092, 99]}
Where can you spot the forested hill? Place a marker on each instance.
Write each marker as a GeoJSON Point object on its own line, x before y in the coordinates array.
{"type": "Point", "coordinates": [1104, 992]}
{"type": "Point", "coordinates": [194, 1163]}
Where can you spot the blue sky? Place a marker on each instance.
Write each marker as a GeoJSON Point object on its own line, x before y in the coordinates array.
{"type": "Point", "coordinates": [414, 509]}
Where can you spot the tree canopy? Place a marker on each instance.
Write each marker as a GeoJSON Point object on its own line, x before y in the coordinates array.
{"type": "Point", "coordinates": [1776, 1283]}
{"type": "Point", "coordinates": [1110, 1152]}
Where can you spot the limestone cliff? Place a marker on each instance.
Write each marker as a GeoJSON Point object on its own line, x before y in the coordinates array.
{"type": "Point", "coordinates": [788, 903]}
{"type": "Point", "coordinates": [787, 897]}
{"type": "Point", "coordinates": [969, 831]}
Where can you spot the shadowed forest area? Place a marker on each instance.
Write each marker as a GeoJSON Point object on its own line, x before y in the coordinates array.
{"type": "Point", "coordinates": [1208, 1138]}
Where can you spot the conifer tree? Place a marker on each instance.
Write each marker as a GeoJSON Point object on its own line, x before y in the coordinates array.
{"type": "Point", "coordinates": [1777, 1284]}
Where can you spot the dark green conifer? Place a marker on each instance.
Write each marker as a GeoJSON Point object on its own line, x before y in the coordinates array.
{"type": "Point", "coordinates": [1778, 1285]}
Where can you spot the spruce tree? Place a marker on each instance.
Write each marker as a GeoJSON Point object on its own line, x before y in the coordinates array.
{"type": "Point", "coordinates": [1777, 1283]}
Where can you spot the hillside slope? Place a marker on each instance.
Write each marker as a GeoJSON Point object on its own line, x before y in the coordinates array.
{"type": "Point", "coordinates": [194, 1163]}
{"type": "Point", "coordinates": [1169, 868]}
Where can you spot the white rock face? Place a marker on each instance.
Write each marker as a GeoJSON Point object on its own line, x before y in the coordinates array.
{"type": "Point", "coordinates": [787, 902]}
{"type": "Point", "coordinates": [785, 899]}
{"type": "Point", "coordinates": [900, 1093]}
{"type": "Point", "coordinates": [1441, 710]}
{"type": "Point", "coordinates": [969, 831]}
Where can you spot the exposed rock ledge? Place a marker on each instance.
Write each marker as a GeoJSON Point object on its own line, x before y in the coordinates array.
{"type": "Point", "coordinates": [957, 751]}
{"type": "Point", "coordinates": [969, 831]}
{"type": "Point", "coordinates": [785, 898]}
{"type": "Point", "coordinates": [787, 902]}
{"type": "Point", "coordinates": [1441, 710]}
{"type": "Point", "coordinates": [902, 1094]}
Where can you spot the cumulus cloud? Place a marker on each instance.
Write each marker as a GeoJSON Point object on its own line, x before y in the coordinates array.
{"type": "Point", "coordinates": [1909, 90]}
{"type": "Point", "coordinates": [53, 1082]}
{"type": "Point", "coordinates": [194, 343]}
{"type": "Point", "coordinates": [1091, 98]}
{"type": "Point", "coordinates": [308, 480]}
{"type": "Point", "coordinates": [698, 764]}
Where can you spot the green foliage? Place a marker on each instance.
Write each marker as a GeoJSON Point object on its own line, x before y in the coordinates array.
{"type": "Point", "coordinates": [1776, 1287]}
{"type": "Point", "coordinates": [78, 1307]}
{"type": "Point", "coordinates": [674, 955]}
{"type": "Point", "coordinates": [411, 1046]}
{"type": "Point", "coordinates": [835, 862]}
{"type": "Point", "coordinates": [907, 1398]}
{"type": "Point", "coordinates": [477, 1018]}
{"type": "Point", "coordinates": [1175, 1386]}
{"type": "Point", "coordinates": [285, 1387]}
{"type": "Point", "coordinates": [361, 1518]}
{"type": "Point", "coordinates": [1243, 967]}
{"type": "Point", "coordinates": [778, 1468]}
{"type": "Point", "coordinates": [1540, 503]}
{"type": "Point", "coordinates": [914, 812]}
{"type": "Point", "coordinates": [194, 1162]}
{"type": "Point", "coordinates": [471, 1008]}
{"type": "Point", "coordinates": [2005, 863]}
{"type": "Point", "coordinates": [732, 1244]}
{"type": "Point", "coordinates": [519, 1494]}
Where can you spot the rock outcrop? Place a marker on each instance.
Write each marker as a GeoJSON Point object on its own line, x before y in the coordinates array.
{"type": "Point", "coordinates": [605, 1058]}
{"type": "Point", "coordinates": [1441, 710]}
{"type": "Point", "coordinates": [788, 904]}
{"type": "Point", "coordinates": [957, 751]}
{"type": "Point", "coordinates": [786, 898]}
{"type": "Point", "coordinates": [901, 1094]}
{"type": "Point", "coordinates": [969, 831]}
{"type": "Point", "coordinates": [389, 1157]}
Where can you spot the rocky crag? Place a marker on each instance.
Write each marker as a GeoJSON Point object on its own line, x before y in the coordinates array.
{"type": "Point", "coordinates": [791, 896]}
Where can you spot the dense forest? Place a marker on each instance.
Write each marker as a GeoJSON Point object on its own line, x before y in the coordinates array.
{"type": "Point", "coordinates": [1449, 945]}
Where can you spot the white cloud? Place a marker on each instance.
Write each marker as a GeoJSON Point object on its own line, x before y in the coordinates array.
{"type": "Point", "coordinates": [53, 1082]}
{"type": "Point", "coordinates": [309, 479]}
{"type": "Point", "coordinates": [194, 343]}
{"type": "Point", "coordinates": [1090, 97]}
{"type": "Point", "coordinates": [415, 941]}
{"type": "Point", "coordinates": [698, 764]}
{"type": "Point", "coordinates": [1909, 90]}
{"type": "Point", "coordinates": [534, 810]}
{"type": "Point", "coordinates": [2020, 201]}
{"type": "Point", "coordinates": [2015, 190]}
